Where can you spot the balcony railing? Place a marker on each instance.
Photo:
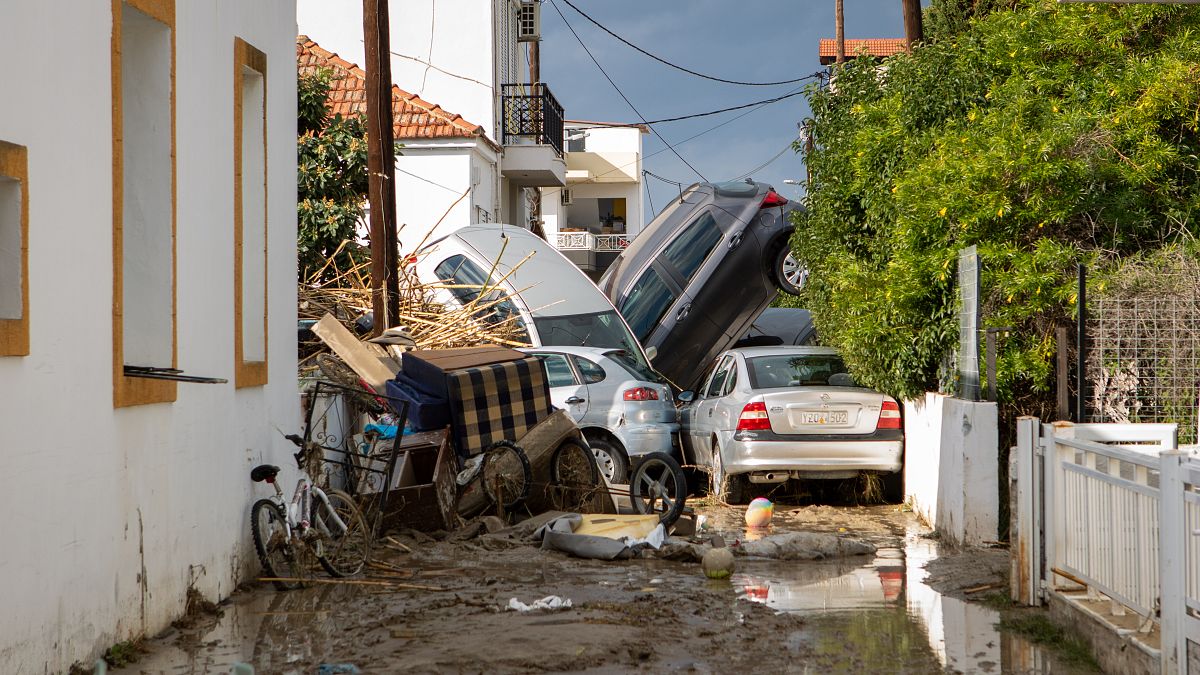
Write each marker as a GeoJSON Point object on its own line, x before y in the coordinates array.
{"type": "Point", "coordinates": [531, 115]}
{"type": "Point", "coordinates": [586, 241]}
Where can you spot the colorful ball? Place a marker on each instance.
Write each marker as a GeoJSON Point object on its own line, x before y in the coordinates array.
{"type": "Point", "coordinates": [759, 512]}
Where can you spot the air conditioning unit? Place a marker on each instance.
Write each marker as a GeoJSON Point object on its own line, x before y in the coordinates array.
{"type": "Point", "coordinates": [564, 197]}
{"type": "Point", "coordinates": [529, 22]}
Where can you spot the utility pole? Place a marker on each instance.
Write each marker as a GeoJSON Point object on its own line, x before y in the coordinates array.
{"type": "Point", "coordinates": [839, 23]}
{"type": "Point", "coordinates": [535, 76]}
{"type": "Point", "coordinates": [381, 165]}
{"type": "Point", "coordinates": [913, 31]}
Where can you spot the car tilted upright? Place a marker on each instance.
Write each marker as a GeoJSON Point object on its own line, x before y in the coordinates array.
{"type": "Point", "coordinates": [766, 415]}
{"type": "Point", "coordinates": [699, 274]}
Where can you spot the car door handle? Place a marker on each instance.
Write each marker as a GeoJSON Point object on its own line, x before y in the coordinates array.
{"type": "Point", "coordinates": [735, 241]}
{"type": "Point", "coordinates": [575, 399]}
{"type": "Point", "coordinates": [683, 312]}
{"type": "Point", "coordinates": [710, 412]}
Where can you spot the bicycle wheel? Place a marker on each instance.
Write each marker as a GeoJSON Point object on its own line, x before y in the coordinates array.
{"type": "Point", "coordinates": [506, 474]}
{"type": "Point", "coordinates": [574, 476]}
{"type": "Point", "coordinates": [356, 390]}
{"type": "Point", "coordinates": [275, 551]}
{"type": "Point", "coordinates": [658, 486]}
{"type": "Point", "coordinates": [346, 545]}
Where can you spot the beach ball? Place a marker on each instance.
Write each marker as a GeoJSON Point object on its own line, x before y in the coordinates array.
{"type": "Point", "coordinates": [759, 513]}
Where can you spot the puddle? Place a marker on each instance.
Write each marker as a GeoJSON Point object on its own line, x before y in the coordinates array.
{"type": "Point", "coordinates": [882, 617]}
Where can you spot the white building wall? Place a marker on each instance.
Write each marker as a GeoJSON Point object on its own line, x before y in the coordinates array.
{"type": "Point", "coordinates": [111, 514]}
{"type": "Point", "coordinates": [442, 51]}
{"type": "Point", "coordinates": [430, 186]}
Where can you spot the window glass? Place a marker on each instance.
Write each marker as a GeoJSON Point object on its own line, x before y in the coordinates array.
{"type": "Point", "coordinates": [599, 329]}
{"type": "Point", "coordinates": [558, 370]}
{"type": "Point", "coordinates": [689, 249]}
{"type": "Point", "coordinates": [467, 282]}
{"type": "Point", "coordinates": [636, 368]}
{"type": "Point", "coordinates": [718, 381]}
{"type": "Point", "coordinates": [794, 370]}
{"type": "Point", "coordinates": [648, 301]}
{"type": "Point", "coordinates": [731, 381]}
{"type": "Point", "coordinates": [592, 372]}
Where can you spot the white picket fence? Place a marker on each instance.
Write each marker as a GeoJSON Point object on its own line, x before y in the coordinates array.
{"type": "Point", "coordinates": [1113, 508]}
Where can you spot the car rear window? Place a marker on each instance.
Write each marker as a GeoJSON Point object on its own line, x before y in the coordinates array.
{"type": "Point", "coordinates": [690, 248]}
{"type": "Point", "coordinates": [600, 329]}
{"type": "Point", "coordinates": [647, 302]}
{"type": "Point", "coordinates": [790, 370]}
{"type": "Point", "coordinates": [467, 282]}
{"type": "Point", "coordinates": [636, 368]}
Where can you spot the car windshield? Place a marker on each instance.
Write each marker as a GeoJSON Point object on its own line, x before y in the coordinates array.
{"type": "Point", "coordinates": [599, 329]}
{"type": "Point", "coordinates": [792, 370]}
{"type": "Point", "coordinates": [467, 282]}
{"type": "Point", "coordinates": [636, 368]}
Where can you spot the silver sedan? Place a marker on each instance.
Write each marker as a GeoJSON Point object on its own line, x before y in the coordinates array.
{"type": "Point", "coordinates": [764, 415]}
{"type": "Point", "coordinates": [624, 409]}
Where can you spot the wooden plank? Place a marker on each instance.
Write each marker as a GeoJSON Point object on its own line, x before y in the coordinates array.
{"type": "Point", "coordinates": [370, 364]}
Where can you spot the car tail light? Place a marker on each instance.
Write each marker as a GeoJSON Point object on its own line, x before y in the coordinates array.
{"type": "Point", "coordinates": [889, 416]}
{"type": "Point", "coordinates": [754, 418]}
{"type": "Point", "coordinates": [641, 394]}
{"type": "Point", "coordinates": [773, 199]}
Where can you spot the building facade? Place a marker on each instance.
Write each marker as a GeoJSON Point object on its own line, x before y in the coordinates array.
{"type": "Point", "coordinates": [147, 310]}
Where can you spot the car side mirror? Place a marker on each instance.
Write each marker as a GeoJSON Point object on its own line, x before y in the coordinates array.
{"type": "Point", "coordinates": [686, 396]}
{"type": "Point", "coordinates": [651, 352]}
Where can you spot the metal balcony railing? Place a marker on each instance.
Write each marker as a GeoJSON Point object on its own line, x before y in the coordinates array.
{"type": "Point", "coordinates": [532, 113]}
{"type": "Point", "coordinates": [586, 241]}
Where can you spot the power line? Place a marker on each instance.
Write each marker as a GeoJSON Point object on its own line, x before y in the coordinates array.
{"type": "Point", "coordinates": [449, 189]}
{"type": "Point", "coordinates": [666, 62]}
{"type": "Point", "coordinates": [622, 94]}
{"type": "Point", "coordinates": [722, 110]}
{"type": "Point", "coordinates": [766, 163]}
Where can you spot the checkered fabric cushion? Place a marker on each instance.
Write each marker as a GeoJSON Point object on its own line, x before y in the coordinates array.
{"type": "Point", "coordinates": [499, 401]}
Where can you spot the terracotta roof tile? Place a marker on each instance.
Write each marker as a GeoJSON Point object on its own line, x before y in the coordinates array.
{"type": "Point", "coordinates": [412, 117]}
{"type": "Point", "coordinates": [877, 47]}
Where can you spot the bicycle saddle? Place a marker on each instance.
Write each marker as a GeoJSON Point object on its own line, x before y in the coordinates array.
{"type": "Point", "coordinates": [263, 472]}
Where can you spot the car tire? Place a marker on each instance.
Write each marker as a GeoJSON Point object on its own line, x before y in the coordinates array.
{"type": "Point", "coordinates": [788, 273]}
{"type": "Point", "coordinates": [729, 489]}
{"type": "Point", "coordinates": [610, 457]}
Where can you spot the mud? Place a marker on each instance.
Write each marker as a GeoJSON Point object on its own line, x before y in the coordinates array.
{"type": "Point", "coordinates": [853, 614]}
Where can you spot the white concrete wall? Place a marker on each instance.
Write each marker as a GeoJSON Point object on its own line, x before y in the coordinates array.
{"type": "Point", "coordinates": [951, 474]}
{"type": "Point", "coordinates": [442, 51]}
{"type": "Point", "coordinates": [431, 181]}
{"type": "Point", "coordinates": [110, 514]}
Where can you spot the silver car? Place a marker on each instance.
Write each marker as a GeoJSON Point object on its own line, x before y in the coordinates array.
{"type": "Point", "coordinates": [764, 415]}
{"type": "Point", "coordinates": [624, 409]}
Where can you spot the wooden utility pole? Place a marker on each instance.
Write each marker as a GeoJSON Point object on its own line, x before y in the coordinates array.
{"type": "Point", "coordinates": [535, 62]}
{"type": "Point", "coordinates": [535, 76]}
{"type": "Point", "coordinates": [381, 165]}
{"type": "Point", "coordinates": [839, 23]}
{"type": "Point", "coordinates": [913, 31]}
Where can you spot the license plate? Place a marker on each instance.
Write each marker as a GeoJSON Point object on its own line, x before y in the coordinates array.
{"type": "Point", "coordinates": [824, 417]}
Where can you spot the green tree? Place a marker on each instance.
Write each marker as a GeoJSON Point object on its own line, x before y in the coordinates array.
{"type": "Point", "coordinates": [1044, 134]}
{"type": "Point", "coordinates": [332, 177]}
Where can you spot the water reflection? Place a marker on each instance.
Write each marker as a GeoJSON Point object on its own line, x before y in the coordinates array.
{"type": "Point", "coordinates": [893, 619]}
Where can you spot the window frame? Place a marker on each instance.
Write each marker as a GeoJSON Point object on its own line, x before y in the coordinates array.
{"type": "Point", "coordinates": [248, 373]}
{"type": "Point", "coordinates": [14, 333]}
{"type": "Point", "coordinates": [577, 379]}
{"type": "Point", "coordinates": [133, 391]}
{"type": "Point", "coordinates": [579, 361]}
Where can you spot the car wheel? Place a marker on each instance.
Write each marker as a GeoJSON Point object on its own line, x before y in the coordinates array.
{"type": "Point", "coordinates": [789, 274]}
{"type": "Point", "coordinates": [725, 488]}
{"type": "Point", "coordinates": [611, 460]}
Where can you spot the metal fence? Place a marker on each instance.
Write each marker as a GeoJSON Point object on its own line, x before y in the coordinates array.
{"type": "Point", "coordinates": [1143, 360]}
{"type": "Point", "coordinates": [531, 115]}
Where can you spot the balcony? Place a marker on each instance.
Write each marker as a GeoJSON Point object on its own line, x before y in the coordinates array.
{"type": "Point", "coordinates": [592, 253]}
{"type": "Point", "coordinates": [532, 134]}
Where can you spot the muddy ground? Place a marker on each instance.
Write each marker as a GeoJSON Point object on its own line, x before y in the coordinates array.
{"type": "Point", "coordinates": [439, 608]}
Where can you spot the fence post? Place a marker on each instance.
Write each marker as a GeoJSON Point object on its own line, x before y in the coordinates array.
{"type": "Point", "coordinates": [1026, 578]}
{"type": "Point", "coordinates": [1172, 543]}
{"type": "Point", "coordinates": [1054, 500]}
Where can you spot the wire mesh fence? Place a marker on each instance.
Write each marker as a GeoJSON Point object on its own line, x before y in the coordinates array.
{"type": "Point", "coordinates": [1143, 359]}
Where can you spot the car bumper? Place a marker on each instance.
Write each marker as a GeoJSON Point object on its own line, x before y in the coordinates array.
{"type": "Point", "coordinates": [642, 439]}
{"type": "Point", "coordinates": [741, 456]}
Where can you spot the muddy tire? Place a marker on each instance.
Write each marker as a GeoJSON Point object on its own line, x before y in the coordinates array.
{"type": "Point", "coordinates": [275, 551]}
{"type": "Point", "coordinates": [574, 477]}
{"type": "Point", "coordinates": [610, 457]}
{"type": "Point", "coordinates": [658, 486]}
{"type": "Point", "coordinates": [729, 489]}
{"type": "Point", "coordinates": [506, 474]}
{"type": "Point", "coordinates": [344, 551]}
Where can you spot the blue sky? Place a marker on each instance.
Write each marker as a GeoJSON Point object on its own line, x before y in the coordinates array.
{"type": "Point", "coordinates": [752, 40]}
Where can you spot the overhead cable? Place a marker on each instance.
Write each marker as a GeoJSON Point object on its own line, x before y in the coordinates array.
{"type": "Point", "coordinates": [767, 163]}
{"type": "Point", "coordinates": [722, 110]}
{"type": "Point", "coordinates": [621, 93]}
{"type": "Point", "coordinates": [668, 63]}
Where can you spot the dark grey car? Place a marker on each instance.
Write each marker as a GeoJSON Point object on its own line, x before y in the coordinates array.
{"type": "Point", "coordinates": [702, 271]}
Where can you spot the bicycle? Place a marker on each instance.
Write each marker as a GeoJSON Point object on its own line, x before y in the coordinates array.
{"type": "Point", "coordinates": [315, 525]}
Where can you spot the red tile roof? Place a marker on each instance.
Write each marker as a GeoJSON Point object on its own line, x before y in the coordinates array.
{"type": "Point", "coordinates": [877, 47]}
{"type": "Point", "coordinates": [412, 116]}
